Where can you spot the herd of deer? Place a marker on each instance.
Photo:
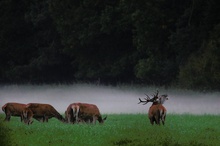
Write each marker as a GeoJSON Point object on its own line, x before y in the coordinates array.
{"type": "Point", "coordinates": [78, 112]}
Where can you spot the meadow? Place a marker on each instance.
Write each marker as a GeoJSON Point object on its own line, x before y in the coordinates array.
{"type": "Point", "coordinates": [118, 130]}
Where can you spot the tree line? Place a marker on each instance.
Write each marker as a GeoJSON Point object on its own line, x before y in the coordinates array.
{"type": "Point", "coordinates": [155, 42]}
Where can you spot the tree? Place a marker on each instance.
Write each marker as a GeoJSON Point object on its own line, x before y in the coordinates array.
{"type": "Point", "coordinates": [14, 32]}
{"type": "Point", "coordinates": [101, 46]}
{"type": "Point", "coordinates": [200, 70]}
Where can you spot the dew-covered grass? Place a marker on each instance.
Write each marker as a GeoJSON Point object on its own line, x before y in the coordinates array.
{"type": "Point", "coordinates": [118, 129]}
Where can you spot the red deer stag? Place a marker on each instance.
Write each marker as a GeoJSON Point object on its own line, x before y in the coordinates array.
{"type": "Point", "coordinates": [42, 112]}
{"type": "Point", "coordinates": [15, 109]}
{"type": "Point", "coordinates": [157, 112]}
{"type": "Point", "coordinates": [83, 112]}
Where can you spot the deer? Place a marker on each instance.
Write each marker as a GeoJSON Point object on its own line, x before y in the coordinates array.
{"type": "Point", "coordinates": [83, 112]}
{"type": "Point", "coordinates": [15, 109]}
{"type": "Point", "coordinates": [157, 112]}
{"type": "Point", "coordinates": [41, 112]}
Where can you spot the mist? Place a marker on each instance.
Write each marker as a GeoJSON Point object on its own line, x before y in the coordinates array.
{"type": "Point", "coordinates": [111, 99]}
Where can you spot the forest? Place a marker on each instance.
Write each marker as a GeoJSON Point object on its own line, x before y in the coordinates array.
{"type": "Point", "coordinates": [152, 42]}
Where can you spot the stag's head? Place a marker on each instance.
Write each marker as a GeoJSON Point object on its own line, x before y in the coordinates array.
{"type": "Point", "coordinates": [162, 99]}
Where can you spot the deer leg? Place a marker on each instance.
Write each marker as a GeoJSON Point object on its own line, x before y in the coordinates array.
{"type": "Point", "coordinates": [76, 114]}
{"type": "Point", "coordinates": [22, 118]}
{"type": "Point", "coordinates": [94, 120]}
{"type": "Point", "coordinates": [163, 119]}
{"type": "Point", "coordinates": [29, 121]}
{"type": "Point", "coordinates": [163, 122]}
{"type": "Point", "coordinates": [69, 118]}
{"type": "Point", "coordinates": [43, 119]}
{"type": "Point", "coordinates": [46, 118]}
{"type": "Point", "coordinates": [158, 117]}
{"type": "Point", "coordinates": [8, 117]}
{"type": "Point", "coordinates": [157, 120]}
{"type": "Point", "coordinates": [76, 118]}
{"type": "Point", "coordinates": [152, 120]}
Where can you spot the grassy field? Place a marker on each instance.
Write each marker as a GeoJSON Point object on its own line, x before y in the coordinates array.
{"type": "Point", "coordinates": [118, 130]}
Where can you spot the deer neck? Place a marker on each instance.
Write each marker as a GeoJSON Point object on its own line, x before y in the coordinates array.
{"type": "Point", "coordinates": [155, 103]}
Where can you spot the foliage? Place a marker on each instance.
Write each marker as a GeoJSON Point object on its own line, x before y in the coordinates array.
{"type": "Point", "coordinates": [202, 69]}
{"type": "Point", "coordinates": [119, 129]}
{"type": "Point", "coordinates": [153, 42]}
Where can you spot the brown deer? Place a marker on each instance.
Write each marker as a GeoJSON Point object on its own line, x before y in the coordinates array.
{"type": "Point", "coordinates": [14, 109]}
{"type": "Point", "coordinates": [157, 112]}
{"type": "Point", "coordinates": [41, 112]}
{"type": "Point", "coordinates": [83, 112]}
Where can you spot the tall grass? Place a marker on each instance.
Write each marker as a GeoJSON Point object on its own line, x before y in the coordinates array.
{"type": "Point", "coordinates": [119, 129]}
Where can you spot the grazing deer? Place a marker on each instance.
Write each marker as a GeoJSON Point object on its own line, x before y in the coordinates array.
{"type": "Point", "coordinates": [15, 109]}
{"type": "Point", "coordinates": [83, 112]}
{"type": "Point", "coordinates": [42, 112]}
{"type": "Point", "coordinates": [157, 111]}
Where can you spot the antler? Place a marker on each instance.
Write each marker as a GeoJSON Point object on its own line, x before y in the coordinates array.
{"type": "Point", "coordinates": [147, 96]}
{"type": "Point", "coordinates": [146, 100]}
{"type": "Point", "coordinates": [156, 94]}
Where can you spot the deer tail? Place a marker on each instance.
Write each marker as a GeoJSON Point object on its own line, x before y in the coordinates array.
{"type": "Point", "coordinates": [3, 107]}
{"type": "Point", "coordinates": [75, 110]}
{"type": "Point", "coordinates": [161, 112]}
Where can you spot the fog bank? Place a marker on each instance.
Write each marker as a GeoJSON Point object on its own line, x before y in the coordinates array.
{"type": "Point", "coordinates": [119, 99]}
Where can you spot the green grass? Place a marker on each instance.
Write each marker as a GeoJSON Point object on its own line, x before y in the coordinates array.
{"type": "Point", "coordinates": [119, 129]}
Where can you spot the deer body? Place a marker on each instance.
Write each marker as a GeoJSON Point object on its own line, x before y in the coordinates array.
{"type": "Point", "coordinates": [83, 112]}
{"type": "Point", "coordinates": [157, 112]}
{"type": "Point", "coordinates": [42, 112]}
{"type": "Point", "coordinates": [13, 109]}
